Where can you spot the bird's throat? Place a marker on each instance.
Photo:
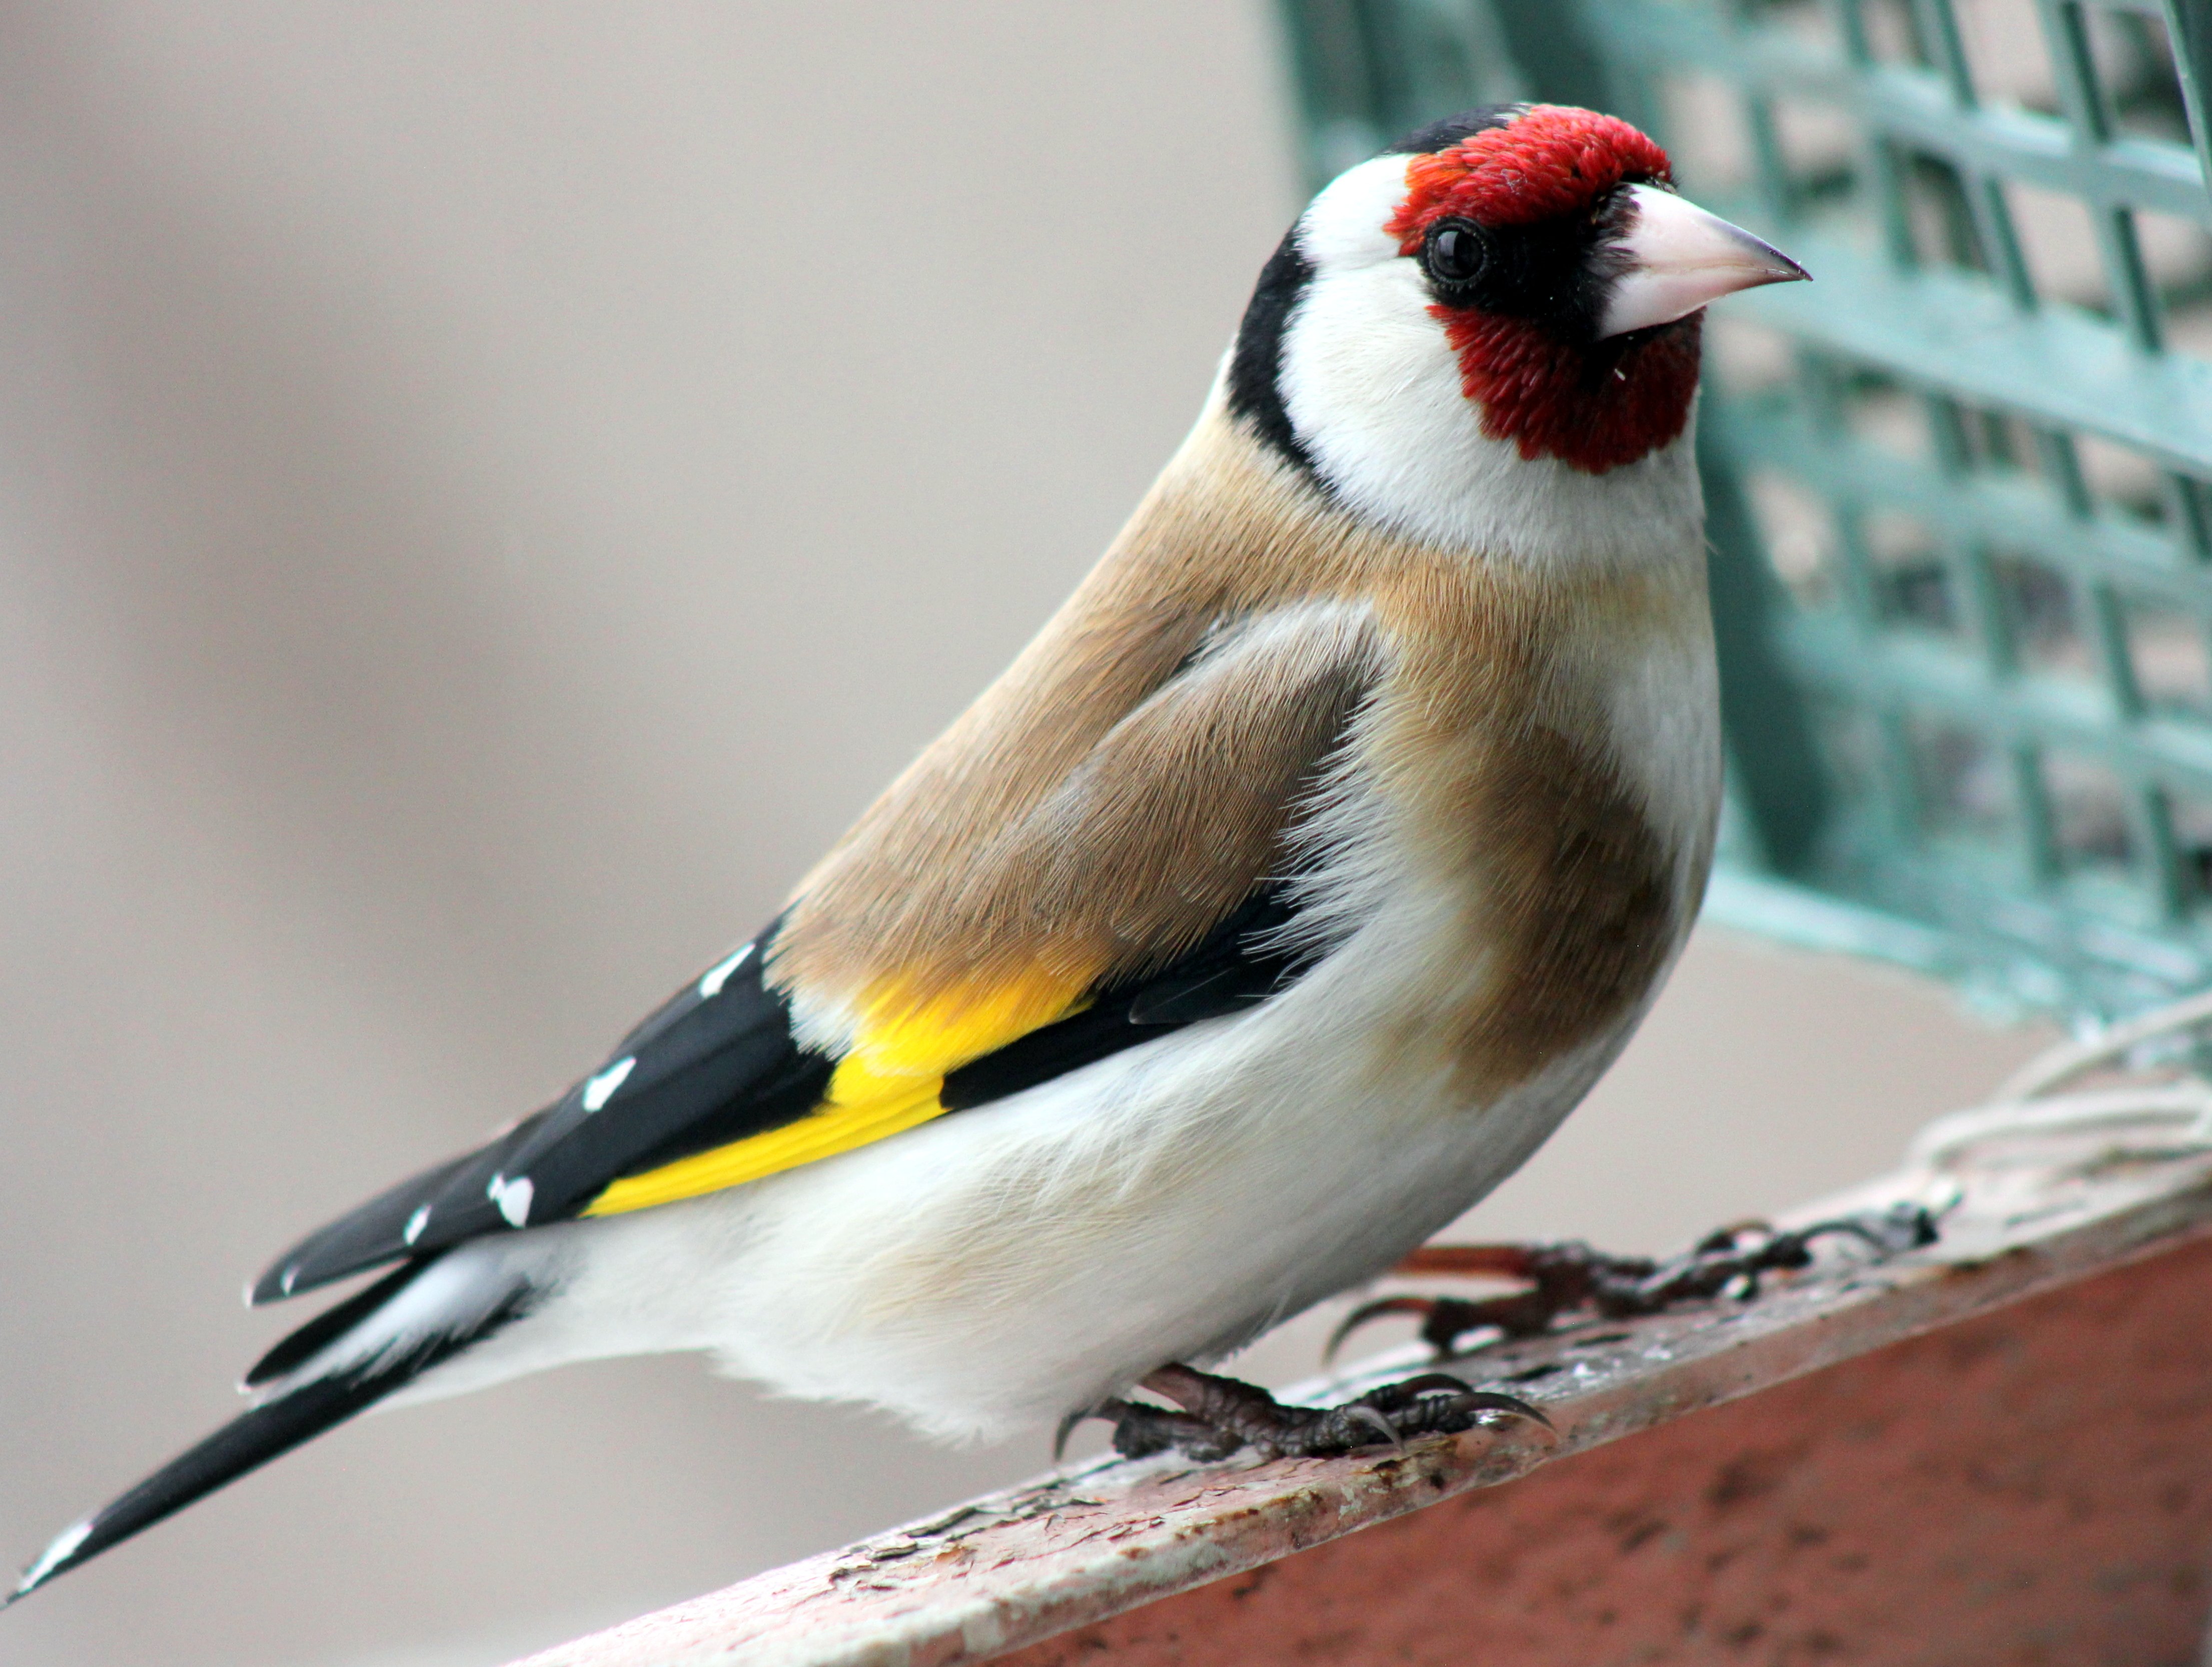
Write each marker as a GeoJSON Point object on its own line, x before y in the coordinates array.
{"type": "Point", "coordinates": [1594, 408]}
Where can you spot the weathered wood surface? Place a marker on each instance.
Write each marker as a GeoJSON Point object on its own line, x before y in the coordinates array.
{"type": "Point", "coordinates": [2031, 1485]}
{"type": "Point", "coordinates": [2040, 1458]}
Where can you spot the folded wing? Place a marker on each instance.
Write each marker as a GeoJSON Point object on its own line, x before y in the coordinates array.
{"type": "Point", "coordinates": [1194, 794]}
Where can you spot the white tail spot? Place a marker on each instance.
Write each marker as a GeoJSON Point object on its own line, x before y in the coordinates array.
{"type": "Point", "coordinates": [512, 1198]}
{"type": "Point", "coordinates": [416, 1223]}
{"type": "Point", "coordinates": [711, 985]}
{"type": "Point", "coordinates": [58, 1553]}
{"type": "Point", "coordinates": [600, 1089]}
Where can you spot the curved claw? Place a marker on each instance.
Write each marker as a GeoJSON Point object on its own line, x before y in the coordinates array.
{"type": "Point", "coordinates": [1407, 1388]}
{"type": "Point", "coordinates": [1461, 1396]}
{"type": "Point", "coordinates": [1374, 1310]}
{"type": "Point", "coordinates": [1374, 1420]}
{"type": "Point", "coordinates": [1901, 1227]}
{"type": "Point", "coordinates": [1493, 1400]}
{"type": "Point", "coordinates": [1724, 1238]}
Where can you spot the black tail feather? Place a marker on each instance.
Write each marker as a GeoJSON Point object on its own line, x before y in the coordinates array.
{"type": "Point", "coordinates": [295, 1348]}
{"type": "Point", "coordinates": [273, 1429]}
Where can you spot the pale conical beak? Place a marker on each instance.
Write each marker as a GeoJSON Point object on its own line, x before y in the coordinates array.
{"type": "Point", "coordinates": [1676, 258]}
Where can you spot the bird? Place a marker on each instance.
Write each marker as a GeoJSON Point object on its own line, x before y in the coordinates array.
{"type": "Point", "coordinates": [1284, 894]}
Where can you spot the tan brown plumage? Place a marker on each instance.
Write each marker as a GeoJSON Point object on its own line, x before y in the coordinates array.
{"type": "Point", "coordinates": [1095, 813]}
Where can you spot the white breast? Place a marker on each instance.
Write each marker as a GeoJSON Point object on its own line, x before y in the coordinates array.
{"type": "Point", "coordinates": [1663, 703]}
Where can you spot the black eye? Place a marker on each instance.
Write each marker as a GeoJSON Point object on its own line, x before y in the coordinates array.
{"type": "Point", "coordinates": [1455, 253]}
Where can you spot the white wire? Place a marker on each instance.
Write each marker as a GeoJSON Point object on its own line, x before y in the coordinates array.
{"type": "Point", "coordinates": [2070, 1059]}
{"type": "Point", "coordinates": [2025, 1103]}
{"type": "Point", "coordinates": [2185, 1106]}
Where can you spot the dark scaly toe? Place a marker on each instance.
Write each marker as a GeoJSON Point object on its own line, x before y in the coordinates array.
{"type": "Point", "coordinates": [1235, 1415]}
{"type": "Point", "coordinates": [1416, 1405]}
{"type": "Point", "coordinates": [1445, 1320]}
{"type": "Point", "coordinates": [1722, 1262]}
{"type": "Point", "coordinates": [1243, 1412]}
{"type": "Point", "coordinates": [1893, 1231]}
{"type": "Point", "coordinates": [1140, 1431]}
{"type": "Point", "coordinates": [1570, 1279]}
{"type": "Point", "coordinates": [1218, 1416]}
{"type": "Point", "coordinates": [1562, 1279]}
{"type": "Point", "coordinates": [1434, 1403]}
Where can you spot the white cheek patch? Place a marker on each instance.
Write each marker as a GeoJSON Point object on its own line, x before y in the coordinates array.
{"type": "Point", "coordinates": [1343, 228]}
{"type": "Point", "coordinates": [1375, 393]}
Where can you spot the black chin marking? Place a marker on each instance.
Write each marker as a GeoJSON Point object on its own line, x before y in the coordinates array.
{"type": "Point", "coordinates": [1255, 366]}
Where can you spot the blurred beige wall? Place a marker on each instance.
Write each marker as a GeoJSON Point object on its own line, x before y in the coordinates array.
{"type": "Point", "coordinates": [486, 491]}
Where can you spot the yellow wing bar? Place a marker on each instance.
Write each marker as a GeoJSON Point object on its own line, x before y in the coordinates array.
{"type": "Point", "coordinates": [889, 1083]}
{"type": "Point", "coordinates": [823, 1133]}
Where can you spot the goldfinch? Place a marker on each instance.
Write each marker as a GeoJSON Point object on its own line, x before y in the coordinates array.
{"type": "Point", "coordinates": [1274, 905]}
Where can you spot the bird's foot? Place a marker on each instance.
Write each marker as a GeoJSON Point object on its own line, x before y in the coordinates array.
{"type": "Point", "coordinates": [1218, 1416]}
{"type": "Point", "coordinates": [1571, 1279]}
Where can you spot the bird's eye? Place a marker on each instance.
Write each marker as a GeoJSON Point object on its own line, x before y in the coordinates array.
{"type": "Point", "coordinates": [1456, 253]}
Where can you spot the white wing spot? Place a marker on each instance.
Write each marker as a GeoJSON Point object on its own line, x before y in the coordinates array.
{"type": "Point", "coordinates": [600, 1089]}
{"type": "Point", "coordinates": [58, 1553]}
{"type": "Point", "coordinates": [711, 985]}
{"type": "Point", "coordinates": [416, 1223]}
{"type": "Point", "coordinates": [285, 1284]}
{"type": "Point", "coordinates": [512, 1198]}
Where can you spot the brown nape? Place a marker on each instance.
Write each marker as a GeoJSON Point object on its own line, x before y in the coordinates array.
{"type": "Point", "coordinates": [1483, 730]}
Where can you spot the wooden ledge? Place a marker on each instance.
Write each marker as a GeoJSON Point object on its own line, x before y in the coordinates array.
{"type": "Point", "coordinates": [1013, 1571]}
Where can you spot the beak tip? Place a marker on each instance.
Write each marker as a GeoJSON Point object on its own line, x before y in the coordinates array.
{"type": "Point", "coordinates": [1776, 266]}
{"type": "Point", "coordinates": [1683, 257]}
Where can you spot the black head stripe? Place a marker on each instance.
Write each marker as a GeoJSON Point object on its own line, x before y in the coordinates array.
{"type": "Point", "coordinates": [1452, 130]}
{"type": "Point", "coordinates": [1255, 366]}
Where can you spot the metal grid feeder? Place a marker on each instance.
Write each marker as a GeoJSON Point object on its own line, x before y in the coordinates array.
{"type": "Point", "coordinates": [1959, 487]}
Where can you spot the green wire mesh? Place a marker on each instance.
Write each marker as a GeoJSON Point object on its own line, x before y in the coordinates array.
{"type": "Point", "coordinates": [1959, 492]}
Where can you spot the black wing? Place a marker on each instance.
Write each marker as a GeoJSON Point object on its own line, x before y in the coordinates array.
{"type": "Point", "coordinates": [719, 1063]}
